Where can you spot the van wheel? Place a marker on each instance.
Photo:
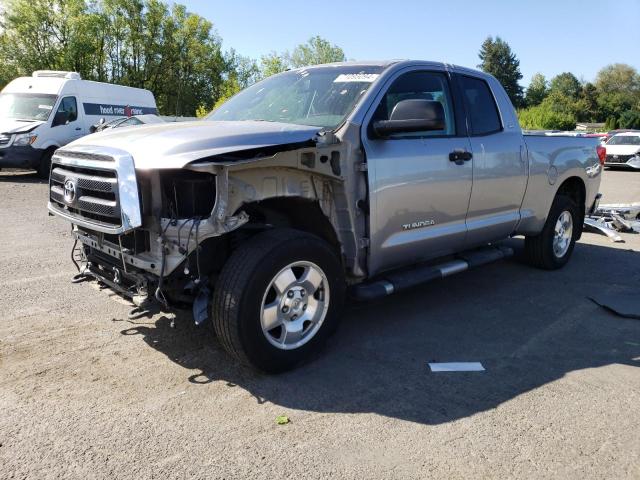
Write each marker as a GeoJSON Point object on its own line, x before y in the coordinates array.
{"type": "Point", "coordinates": [45, 164]}
{"type": "Point", "coordinates": [553, 247]}
{"type": "Point", "coordinates": [277, 299]}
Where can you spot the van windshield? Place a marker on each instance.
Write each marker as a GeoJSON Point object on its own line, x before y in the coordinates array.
{"type": "Point", "coordinates": [318, 96]}
{"type": "Point", "coordinates": [26, 106]}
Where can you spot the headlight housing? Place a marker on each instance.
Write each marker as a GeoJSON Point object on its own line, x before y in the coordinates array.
{"type": "Point", "coordinates": [24, 139]}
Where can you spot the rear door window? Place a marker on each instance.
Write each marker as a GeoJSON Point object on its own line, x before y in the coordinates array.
{"type": "Point", "coordinates": [481, 106]}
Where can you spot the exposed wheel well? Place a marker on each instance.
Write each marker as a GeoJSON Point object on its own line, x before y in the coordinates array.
{"type": "Point", "coordinates": [574, 188]}
{"type": "Point", "coordinates": [292, 212]}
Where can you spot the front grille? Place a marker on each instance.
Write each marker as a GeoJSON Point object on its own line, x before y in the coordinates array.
{"type": "Point", "coordinates": [91, 194]}
{"type": "Point", "coordinates": [619, 158]}
{"type": "Point", "coordinates": [4, 139]}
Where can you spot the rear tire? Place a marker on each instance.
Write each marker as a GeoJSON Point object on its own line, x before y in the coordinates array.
{"type": "Point", "coordinates": [45, 164]}
{"type": "Point", "coordinates": [277, 299]}
{"type": "Point", "coordinates": [552, 248]}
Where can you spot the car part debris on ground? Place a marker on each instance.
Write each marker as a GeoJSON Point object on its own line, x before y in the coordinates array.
{"type": "Point", "coordinates": [625, 304]}
{"type": "Point", "coordinates": [612, 218]}
{"type": "Point", "coordinates": [456, 367]}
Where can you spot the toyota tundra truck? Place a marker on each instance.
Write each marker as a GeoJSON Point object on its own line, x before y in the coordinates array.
{"type": "Point", "coordinates": [321, 184]}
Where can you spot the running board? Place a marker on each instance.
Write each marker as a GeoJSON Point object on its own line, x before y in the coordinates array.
{"type": "Point", "coordinates": [402, 280]}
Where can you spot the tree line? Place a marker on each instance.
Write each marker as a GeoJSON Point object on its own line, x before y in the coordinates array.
{"type": "Point", "coordinates": [559, 103]}
{"type": "Point", "coordinates": [179, 57]}
{"type": "Point", "coordinates": [140, 43]}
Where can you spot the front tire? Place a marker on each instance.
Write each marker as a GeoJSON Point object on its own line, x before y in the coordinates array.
{"type": "Point", "coordinates": [45, 164]}
{"type": "Point", "coordinates": [552, 248]}
{"type": "Point", "coordinates": [277, 299]}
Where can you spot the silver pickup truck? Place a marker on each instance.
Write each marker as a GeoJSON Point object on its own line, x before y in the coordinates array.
{"type": "Point", "coordinates": [351, 180]}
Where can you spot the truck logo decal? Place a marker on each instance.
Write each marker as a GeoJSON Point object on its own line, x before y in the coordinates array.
{"type": "Point", "coordinates": [116, 110]}
{"type": "Point", "coordinates": [420, 224]}
{"type": "Point", "coordinates": [69, 190]}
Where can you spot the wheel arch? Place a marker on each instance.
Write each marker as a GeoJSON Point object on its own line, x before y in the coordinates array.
{"type": "Point", "coordinates": [575, 188]}
{"type": "Point", "coordinates": [292, 212]}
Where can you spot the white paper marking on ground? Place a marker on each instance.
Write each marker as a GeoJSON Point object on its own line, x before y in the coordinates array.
{"type": "Point", "coordinates": [457, 367]}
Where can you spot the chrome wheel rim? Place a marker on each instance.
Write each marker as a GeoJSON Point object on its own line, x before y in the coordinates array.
{"type": "Point", "coordinates": [563, 233]}
{"type": "Point", "coordinates": [294, 305]}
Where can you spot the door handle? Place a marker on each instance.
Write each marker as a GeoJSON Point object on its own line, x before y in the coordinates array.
{"type": "Point", "coordinates": [78, 128]}
{"type": "Point", "coordinates": [460, 155]}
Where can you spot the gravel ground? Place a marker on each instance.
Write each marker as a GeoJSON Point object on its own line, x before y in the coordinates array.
{"type": "Point", "coordinates": [86, 393]}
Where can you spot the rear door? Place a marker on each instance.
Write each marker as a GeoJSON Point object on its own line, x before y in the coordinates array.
{"type": "Point", "coordinates": [418, 196]}
{"type": "Point", "coordinates": [499, 165]}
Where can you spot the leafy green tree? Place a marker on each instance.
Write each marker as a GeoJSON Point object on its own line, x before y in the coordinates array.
{"type": "Point", "coordinates": [618, 90]}
{"type": "Point", "coordinates": [630, 119]}
{"type": "Point", "coordinates": [543, 117]}
{"type": "Point", "coordinates": [273, 63]}
{"type": "Point", "coordinates": [141, 43]}
{"type": "Point", "coordinates": [317, 50]}
{"type": "Point", "coordinates": [537, 90]}
{"type": "Point", "coordinates": [566, 84]}
{"type": "Point", "coordinates": [611, 123]}
{"type": "Point", "coordinates": [497, 59]}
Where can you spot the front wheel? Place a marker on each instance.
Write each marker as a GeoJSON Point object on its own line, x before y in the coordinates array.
{"type": "Point", "coordinates": [45, 164]}
{"type": "Point", "coordinates": [552, 248]}
{"type": "Point", "coordinates": [277, 299]}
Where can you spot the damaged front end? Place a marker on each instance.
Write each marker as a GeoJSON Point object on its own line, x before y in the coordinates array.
{"type": "Point", "coordinates": [164, 234]}
{"type": "Point", "coordinates": [138, 231]}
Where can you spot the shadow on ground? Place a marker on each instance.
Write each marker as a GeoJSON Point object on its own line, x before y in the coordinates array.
{"type": "Point", "coordinates": [20, 176]}
{"type": "Point", "coordinates": [527, 327]}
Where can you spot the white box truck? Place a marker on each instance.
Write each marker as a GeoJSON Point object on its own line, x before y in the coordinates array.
{"type": "Point", "coordinates": [41, 113]}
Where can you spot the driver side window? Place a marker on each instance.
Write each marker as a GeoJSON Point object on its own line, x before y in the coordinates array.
{"type": "Point", "coordinates": [428, 86]}
{"type": "Point", "coordinates": [69, 106]}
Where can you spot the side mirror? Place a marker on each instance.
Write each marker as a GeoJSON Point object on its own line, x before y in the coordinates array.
{"type": "Point", "coordinates": [409, 116]}
{"type": "Point", "coordinates": [60, 118]}
{"type": "Point", "coordinates": [102, 120]}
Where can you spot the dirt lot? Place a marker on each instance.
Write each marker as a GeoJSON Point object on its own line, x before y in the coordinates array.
{"type": "Point", "coordinates": [85, 393]}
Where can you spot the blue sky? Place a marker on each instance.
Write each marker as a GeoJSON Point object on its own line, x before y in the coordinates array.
{"type": "Point", "coordinates": [547, 36]}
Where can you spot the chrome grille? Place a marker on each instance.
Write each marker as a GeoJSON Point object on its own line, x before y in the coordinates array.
{"type": "Point", "coordinates": [4, 138]}
{"type": "Point", "coordinates": [93, 196]}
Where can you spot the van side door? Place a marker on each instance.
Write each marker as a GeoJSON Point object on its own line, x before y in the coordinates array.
{"type": "Point", "coordinates": [499, 164]}
{"type": "Point", "coordinates": [66, 124]}
{"type": "Point", "coordinates": [418, 194]}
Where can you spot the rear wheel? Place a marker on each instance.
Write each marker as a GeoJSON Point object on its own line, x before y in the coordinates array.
{"type": "Point", "coordinates": [553, 247]}
{"type": "Point", "coordinates": [277, 299]}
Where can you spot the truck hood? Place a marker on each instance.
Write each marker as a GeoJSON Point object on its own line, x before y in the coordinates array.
{"type": "Point", "coordinates": [622, 149]}
{"type": "Point", "coordinates": [174, 145]}
{"type": "Point", "coordinates": [11, 125]}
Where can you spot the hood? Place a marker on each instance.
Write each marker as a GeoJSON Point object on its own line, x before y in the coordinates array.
{"type": "Point", "coordinates": [622, 149]}
{"type": "Point", "coordinates": [174, 145]}
{"type": "Point", "coordinates": [11, 125]}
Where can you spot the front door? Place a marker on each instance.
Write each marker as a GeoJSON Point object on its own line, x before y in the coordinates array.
{"type": "Point", "coordinates": [418, 195]}
{"type": "Point", "coordinates": [73, 128]}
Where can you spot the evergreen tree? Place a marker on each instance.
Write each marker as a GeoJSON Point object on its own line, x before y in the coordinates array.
{"type": "Point", "coordinates": [497, 59]}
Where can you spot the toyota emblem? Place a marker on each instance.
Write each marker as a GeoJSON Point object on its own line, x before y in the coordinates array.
{"type": "Point", "coordinates": [69, 190]}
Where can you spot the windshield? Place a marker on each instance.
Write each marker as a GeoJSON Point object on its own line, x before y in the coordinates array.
{"type": "Point", "coordinates": [624, 140]}
{"type": "Point", "coordinates": [319, 96]}
{"type": "Point", "coordinates": [26, 106]}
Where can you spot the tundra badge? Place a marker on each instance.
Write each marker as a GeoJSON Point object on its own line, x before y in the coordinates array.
{"type": "Point", "coordinates": [420, 224]}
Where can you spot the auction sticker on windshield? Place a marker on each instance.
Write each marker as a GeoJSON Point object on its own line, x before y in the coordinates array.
{"type": "Point", "coordinates": [356, 77]}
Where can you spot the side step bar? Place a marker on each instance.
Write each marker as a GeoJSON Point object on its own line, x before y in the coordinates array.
{"type": "Point", "coordinates": [402, 280]}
